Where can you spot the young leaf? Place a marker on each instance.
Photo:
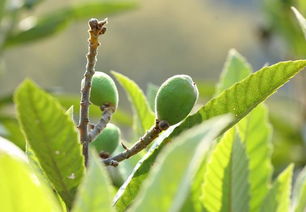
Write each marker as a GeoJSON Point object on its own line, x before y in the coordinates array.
{"type": "Point", "coordinates": [278, 197]}
{"type": "Point", "coordinates": [167, 186]}
{"type": "Point", "coordinates": [236, 99]}
{"type": "Point", "coordinates": [130, 188]}
{"type": "Point", "coordinates": [57, 21]}
{"type": "Point", "coordinates": [226, 185]}
{"type": "Point", "coordinates": [236, 68]}
{"type": "Point", "coordinates": [95, 192]}
{"type": "Point", "coordinates": [53, 138]}
{"type": "Point", "coordinates": [301, 20]}
{"type": "Point", "coordinates": [144, 117]}
{"type": "Point", "coordinates": [20, 189]}
{"type": "Point", "coordinates": [299, 192]}
{"type": "Point", "coordinates": [254, 130]}
{"type": "Point", "coordinates": [151, 94]}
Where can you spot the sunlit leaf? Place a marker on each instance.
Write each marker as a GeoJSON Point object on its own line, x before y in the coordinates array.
{"type": "Point", "coordinates": [225, 185]}
{"type": "Point", "coordinates": [236, 99]}
{"type": "Point", "coordinates": [95, 192]}
{"type": "Point", "coordinates": [169, 182]}
{"type": "Point", "coordinates": [278, 197]}
{"type": "Point", "coordinates": [52, 137]}
{"type": "Point", "coordinates": [20, 189]}
{"type": "Point", "coordinates": [236, 68]}
{"type": "Point", "coordinates": [299, 192]}
{"type": "Point", "coordinates": [144, 117]}
{"type": "Point", "coordinates": [254, 130]}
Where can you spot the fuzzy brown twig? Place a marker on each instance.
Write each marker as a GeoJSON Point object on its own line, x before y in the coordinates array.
{"type": "Point", "coordinates": [96, 28]}
{"type": "Point", "coordinates": [139, 145]}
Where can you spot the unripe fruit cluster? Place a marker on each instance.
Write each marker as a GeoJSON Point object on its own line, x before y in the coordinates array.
{"type": "Point", "coordinates": [174, 101]}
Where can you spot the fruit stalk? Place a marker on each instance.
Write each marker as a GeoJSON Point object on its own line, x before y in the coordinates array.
{"type": "Point", "coordinates": [139, 145]}
{"type": "Point", "coordinates": [106, 116]}
{"type": "Point", "coordinates": [96, 28]}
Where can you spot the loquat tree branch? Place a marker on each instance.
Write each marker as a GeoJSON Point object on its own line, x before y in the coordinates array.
{"type": "Point", "coordinates": [107, 112]}
{"type": "Point", "coordinates": [139, 145]}
{"type": "Point", "coordinates": [96, 28]}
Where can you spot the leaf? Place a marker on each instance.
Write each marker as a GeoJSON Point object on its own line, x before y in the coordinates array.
{"type": "Point", "coordinates": [20, 189]}
{"type": "Point", "coordinates": [301, 20]}
{"type": "Point", "coordinates": [143, 115]}
{"type": "Point", "coordinates": [278, 197]}
{"type": "Point", "coordinates": [236, 68]}
{"type": "Point", "coordinates": [254, 130]}
{"type": "Point", "coordinates": [95, 192]}
{"type": "Point", "coordinates": [226, 185]}
{"type": "Point", "coordinates": [235, 99]}
{"type": "Point", "coordinates": [170, 179]}
{"type": "Point", "coordinates": [151, 94]}
{"type": "Point", "coordinates": [130, 188]}
{"type": "Point", "coordinates": [52, 137]}
{"type": "Point", "coordinates": [56, 21]}
{"type": "Point", "coordinates": [299, 192]}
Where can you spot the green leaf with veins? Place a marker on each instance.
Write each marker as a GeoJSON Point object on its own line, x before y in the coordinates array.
{"type": "Point", "coordinates": [53, 138]}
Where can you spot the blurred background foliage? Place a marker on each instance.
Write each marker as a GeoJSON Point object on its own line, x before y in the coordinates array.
{"type": "Point", "coordinates": [149, 41]}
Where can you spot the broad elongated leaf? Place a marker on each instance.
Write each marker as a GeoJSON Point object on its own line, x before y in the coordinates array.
{"type": "Point", "coordinates": [299, 192]}
{"type": "Point", "coordinates": [144, 117]}
{"type": "Point", "coordinates": [255, 133]}
{"type": "Point", "coordinates": [95, 193]}
{"type": "Point", "coordinates": [301, 20]}
{"type": "Point", "coordinates": [245, 95]}
{"type": "Point", "coordinates": [53, 138]}
{"type": "Point", "coordinates": [226, 186]}
{"type": "Point", "coordinates": [239, 99]}
{"type": "Point", "coordinates": [170, 180]}
{"type": "Point", "coordinates": [235, 69]}
{"type": "Point", "coordinates": [254, 130]}
{"type": "Point", "coordinates": [278, 197]}
{"type": "Point", "coordinates": [20, 189]}
{"type": "Point", "coordinates": [129, 190]}
{"type": "Point", "coordinates": [50, 24]}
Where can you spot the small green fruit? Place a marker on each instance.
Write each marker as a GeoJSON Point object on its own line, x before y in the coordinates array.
{"type": "Point", "coordinates": [103, 90]}
{"type": "Point", "coordinates": [107, 140]}
{"type": "Point", "coordinates": [175, 99]}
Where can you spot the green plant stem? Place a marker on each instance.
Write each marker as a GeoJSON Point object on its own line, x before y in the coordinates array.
{"type": "Point", "coordinates": [106, 116]}
{"type": "Point", "coordinates": [137, 147]}
{"type": "Point", "coordinates": [96, 28]}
